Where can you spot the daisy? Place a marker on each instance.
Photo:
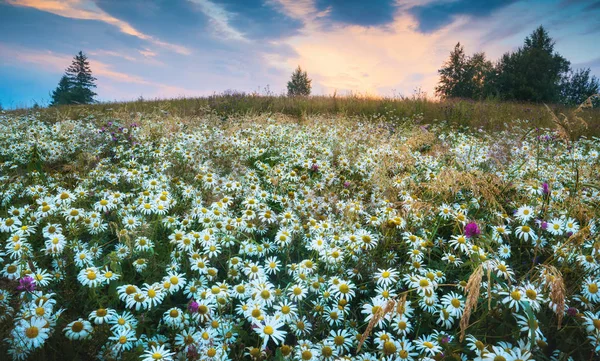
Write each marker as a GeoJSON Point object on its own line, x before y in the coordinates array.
{"type": "Point", "coordinates": [173, 282]}
{"type": "Point", "coordinates": [513, 298]}
{"type": "Point", "coordinates": [269, 329]}
{"type": "Point", "coordinates": [272, 265]}
{"type": "Point", "coordinates": [78, 330]}
{"type": "Point", "coordinates": [571, 226]}
{"type": "Point", "coordinates": [343, 290]}
{"type": "Point", "coordinates": [386, 277]}
{"type": "Point", "coordinates": [124, 321]}
{"type": "Point", "coordinates": [525, 232]}
{"type": "Point", "coordinates": [555, 226]}
{"type": "Point", "coordinates": [31, 333]}
{"type": "Point", "coordinates": [401, 325]}
{"type": "Point", "coordinates": [461, 243]}
{"type": "Point", "coordinates": [287, 311]}
{"type": "Point", "coordinates": [428, 345]}
{"type": "Point", "coordinates": [102, 315]}
{"type": "Point", "coordinates": [174, 317]}
{"type": "Point", "coordinates": [454, 303]}
{"type": "Point", "coordinates": [524, 213]}
{"type": "Point", "coordinates": [154, 294]}
{"type": "Point", "coordinates": [591, 290]}
{"type": "Point", "coordinates": [297, 292]}
{"type": "Point", "coordinates": [124, 339]}
{"type": "Point", "coordinates": [342, 339]}
{"type": "Point", "coordinates": [91, 277]}
{"type": "Point", "coordinates": [504, 251]}
{"type": "Point", "coordinates": [158, 353]}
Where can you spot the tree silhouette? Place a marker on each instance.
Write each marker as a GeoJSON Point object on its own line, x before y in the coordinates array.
{"type": "Point", "coordinates": [75, 86]}
{"type": "Point", "coordinates": [300, 84]}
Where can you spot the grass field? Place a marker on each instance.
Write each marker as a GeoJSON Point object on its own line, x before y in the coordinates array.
{"type": "Point", "coordinates": [243, 227]}
{"type": "Point", "coordinates": [489, 115]}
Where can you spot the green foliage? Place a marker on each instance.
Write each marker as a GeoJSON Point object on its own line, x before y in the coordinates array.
{"type": "Point", "coordinates": [63, 92]}
{"type": "Point", "coordinates": [577, 86]}
{"type": "Point", "coordinates": [463, 76]}
{"type": "Point", "coordinates": [300, 84]}
{"type": "Point", "coordinates": [533, 72]}
{"type": "Point", "coordinates": [75, 86]}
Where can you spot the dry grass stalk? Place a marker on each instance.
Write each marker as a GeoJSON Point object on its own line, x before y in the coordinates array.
{"type": "Point", "coordinates": [389, 307]}
{"type": "Point", "coordinates": [556, 283]}
{"type": "Point", "coordinates": [483, 185]}
{"type": "Point", "coordinates": [489, 288]}
{"type": "Point", "coordinates": [400, 305]}
{"type": "Point", "coordinates": [472, 291]}
{"type": "Point", "coordinates": [570, 127]}
{"type": "Point", "coordinates": [580, 237]}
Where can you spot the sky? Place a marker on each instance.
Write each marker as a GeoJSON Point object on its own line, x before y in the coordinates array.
{"type": "Point", "coordinates": [172, 48]}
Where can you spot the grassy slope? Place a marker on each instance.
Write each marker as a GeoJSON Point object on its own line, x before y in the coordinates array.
{"type": "Point", "coordinates": [490, 115]}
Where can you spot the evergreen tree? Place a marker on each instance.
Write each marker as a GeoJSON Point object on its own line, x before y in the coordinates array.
{"type": "Point", "coordinates": [534, 72]}
{"type": "Point", "coordinates": [454, 75]}
{"type": "Point", "coordinates": [62, 94]}
{"type": "Point", "coordinates": [577, 86]}
{"type": "Point", "coordinates": [82, 81]}
{"type": "Point", "coordinates": [300, 84]}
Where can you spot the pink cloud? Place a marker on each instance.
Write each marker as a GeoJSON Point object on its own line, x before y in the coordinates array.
{"type": "Point", "coordinates": [88, 10]}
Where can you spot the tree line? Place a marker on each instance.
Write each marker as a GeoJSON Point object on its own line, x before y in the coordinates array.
{"type": "Point", "coordinates": [535, 72]}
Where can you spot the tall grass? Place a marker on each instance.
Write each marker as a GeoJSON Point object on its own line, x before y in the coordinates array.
{"type": "Point", "coordinates": [489, 115]}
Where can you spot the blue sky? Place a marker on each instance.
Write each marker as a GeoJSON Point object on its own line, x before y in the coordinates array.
{"type": "Point", "coordinates": [170, 48]}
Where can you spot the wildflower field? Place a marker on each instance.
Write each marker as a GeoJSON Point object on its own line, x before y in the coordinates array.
{"type": "Point", "coordinates": [153, 237]}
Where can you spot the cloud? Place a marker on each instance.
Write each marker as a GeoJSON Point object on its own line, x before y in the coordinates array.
{"type": "Point", "coordinates": [359, 12]}
{"type": "Point", "coordinates": [57, 62]}
{"type": "Point", "coordinates": [338, 58]}
{"type": "Point", "coordinates": [88, 10]}
{"type": "Point", "coordinates": [219, 19]}
{"type": "Point", "coordinates": [255, 19]}
{"type": "Point", "coordinates": [111, 53]}
{"type": "Point", "coordinates": [435, 15]}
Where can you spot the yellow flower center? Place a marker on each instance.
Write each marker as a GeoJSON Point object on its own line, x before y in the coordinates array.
{"type": "Point", "coordinates": [32, 332]}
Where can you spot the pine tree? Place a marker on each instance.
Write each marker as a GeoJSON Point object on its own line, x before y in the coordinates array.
{"type": "Point", "coordinates": [577, 86]}
{"type": "Point", "coordinates": [534, 72]}
{"type": "Point", "coordinates": [454, 75]}
{"type": "Point", "coordinates": [81, 79]}
{"type": "Point", "coordinates": [300, 84]}
{"type": "Point", "coordinates": [62, 94]}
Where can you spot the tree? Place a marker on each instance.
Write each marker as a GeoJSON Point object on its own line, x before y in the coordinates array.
{"type": "Point", "coordinates": [75, 86]}
{"type": "Point", "coordinates": [300, 84]}
{"type": "Point", "coordinates": [62, 94]}
{"type": "Point", "coordinates": [463, 76]}
{"type": "Point", "coordinates": [80, 75]}
{"type": "Point", "coordinates": [532, 73]}
{"type": "Point", "coordinates": [577, 86]}
{"type": "Point", "coordinates": [453, 75]}
{"type": "Point", "coordinates": [480, 72]}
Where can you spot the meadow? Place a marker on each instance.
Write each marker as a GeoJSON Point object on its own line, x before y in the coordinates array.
{"type": "Point", "coordinates": [244, 227]}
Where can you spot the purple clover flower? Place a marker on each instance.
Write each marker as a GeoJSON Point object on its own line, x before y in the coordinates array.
{"type": "Point", "coordinates": [193, 307]}
{"type": "Point", "coordinates": [472, 230]}
{"type": "Point", "coordinates": [26, 284]}
{"type": "Point", "coordinates": [545, 188]}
